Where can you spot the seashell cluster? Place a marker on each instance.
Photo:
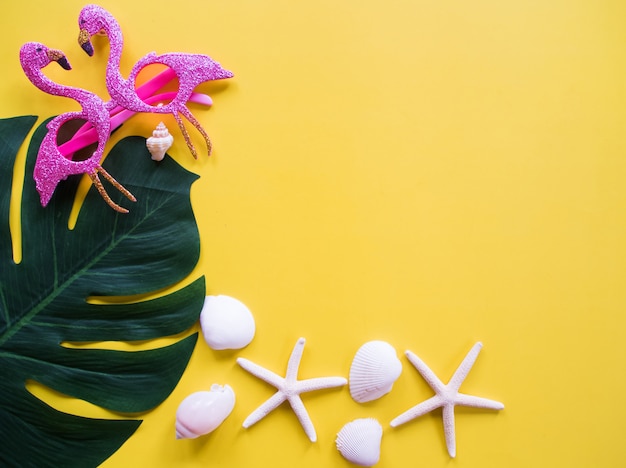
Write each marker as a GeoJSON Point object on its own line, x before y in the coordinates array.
{"type": "Point", "coordinates": [159, 142]}
{"type": "Point", "coordinates": [226, 323]}
{"type": "Point", "coordinates": [359, 441]}
{"type": "Point", "coordinates": [202, 412]}
{"type": "Point", "coordinates": [374, 370]}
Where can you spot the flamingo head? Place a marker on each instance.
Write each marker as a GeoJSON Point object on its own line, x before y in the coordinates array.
{"type": "Point", "coordinates": [35, 56]}
{"type": "Point", "coordinates": [91, 21]}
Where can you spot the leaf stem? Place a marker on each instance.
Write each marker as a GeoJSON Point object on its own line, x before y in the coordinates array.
{"type": "Point", "coordinates": [5, 307]}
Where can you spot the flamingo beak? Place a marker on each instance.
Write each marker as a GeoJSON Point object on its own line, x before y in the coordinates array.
{"type": "Point", "coordinates": [59, 57]}
{"type": "Point", "coordinates": [84, 40]}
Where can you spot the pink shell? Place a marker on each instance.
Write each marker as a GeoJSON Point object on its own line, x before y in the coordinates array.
{"type": "Point", "coordinates": [202, 412]}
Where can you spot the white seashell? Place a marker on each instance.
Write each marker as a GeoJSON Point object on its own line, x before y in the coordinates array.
{"type": "Point", "coordinates": [359, 441]}
{"type": "Point", "coordinates": [226, 323]}
{"type": "Point", "coordinates": [159, 142]}
{"type": "Point", "coordinates": [374, 370]}
{"type": "Point", "coordinates": [202, 412]}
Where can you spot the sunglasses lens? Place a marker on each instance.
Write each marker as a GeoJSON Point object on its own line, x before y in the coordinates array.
{"type": "Point", "coordinates": [67, 131]}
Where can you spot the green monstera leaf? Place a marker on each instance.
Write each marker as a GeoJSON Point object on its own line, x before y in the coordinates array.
{"type": "Point", "coordinates": [44, 303]}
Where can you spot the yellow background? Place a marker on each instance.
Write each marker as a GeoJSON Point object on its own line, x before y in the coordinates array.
{"type": "Point", "coordinates": [429, 173]}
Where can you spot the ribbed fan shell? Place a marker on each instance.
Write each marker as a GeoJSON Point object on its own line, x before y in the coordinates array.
{"type": "Point", "coordinates": [359, 441]}
{"type": "Point", "coordinates": [374, 370]}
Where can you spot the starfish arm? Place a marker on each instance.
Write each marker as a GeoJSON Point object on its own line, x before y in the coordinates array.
{"type": "Point", "coordinates": [428, 375]}
{"type": "Point", "coordinates": [448, 429]}
{"type": "Point", "coordinates": [417, 411]}
{"type": "Point", "coordinates": [477, 402]}
{"type": "Point", "coordinates": [303, 416]}
{"type": "Point", "coordinates": [266, 408]}
{"type": "Point", "coordinates": [260, 372]}
{"type": "Point", "coordinates": [461, 372]}
{"type": "Point", "coordinates": [294, 361]}
{"type": "Point", "coordinates": [319, 383]}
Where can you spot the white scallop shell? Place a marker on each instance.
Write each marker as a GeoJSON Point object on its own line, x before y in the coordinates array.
{"type": "Point", "coordinates": [202, 412]}
{"type": "Point", "coordinates": [359, 441]}
{"type": "Point", "coordinates": [374, 370]}
{"type": "Point", "coordinates": [226, 323]}
{"type": "Point", "coordinates": [159, 142]}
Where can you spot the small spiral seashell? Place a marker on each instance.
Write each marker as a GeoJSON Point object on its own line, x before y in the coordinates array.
{"type": "Point", "coordinates": [202, 412]}
{"type": "Point", "coordinates": [159, 142]}
{"type": "Point", "coordinates": [359, 441]}
{"type": "Point", "coordinates": [226, 323]}
{"type": "Point", "coordinates": [374, 370]}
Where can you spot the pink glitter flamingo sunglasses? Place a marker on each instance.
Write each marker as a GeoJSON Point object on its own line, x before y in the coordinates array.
{"type": "Point", "coordinates": [190, 69]}
{"type": "Point", "coordinates": [56, 162]}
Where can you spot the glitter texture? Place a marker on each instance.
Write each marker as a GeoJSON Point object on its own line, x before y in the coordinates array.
{"type": "Point", "coordinates": [191, 70]}
{"type": "Point", "coordinates": [52, 166]}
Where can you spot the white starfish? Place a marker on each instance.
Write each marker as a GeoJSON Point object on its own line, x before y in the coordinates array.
{"type": "Point", "coordinates": [288, 388]}
{"type": "Point", "coordinates": [447, 396]}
